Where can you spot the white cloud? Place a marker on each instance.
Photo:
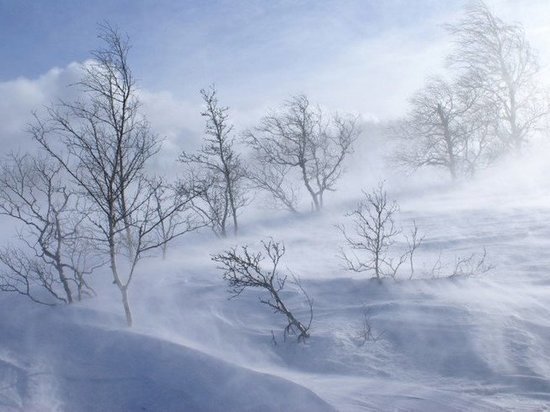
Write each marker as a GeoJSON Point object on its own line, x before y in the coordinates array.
{"type": "Point", "coordinates": [375, 77]}
{"type": "Point", "coordinates": [179, 123]}
{"type": "Point", "coordinates": [371, 74]}
{"type": "Point", "coordinates": [19, 98]}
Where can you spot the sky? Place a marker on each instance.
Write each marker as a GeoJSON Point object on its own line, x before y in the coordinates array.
{"type": "Point", "coordinates": [360, 56]}
{"type": "Point", "coordinates": [196, 36]}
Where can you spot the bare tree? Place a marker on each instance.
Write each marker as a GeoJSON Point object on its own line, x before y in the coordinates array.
{"type": "Point", "coordinates": [479, 124]}
{"type": "Point", "coordinates": [243, 269]}
{"type": "Point", "coordinates": [55, 257]}
{"type": "Point", "coordinates": [414, 240]}
{"type": "Point", "coordinates": [299, 138]}
{"type": "Point", "coordinates": [104, 143]}
{"type": "Point", "coordinates": [446, 127]}
{"type": "Point", "coordinates": [276, 180]}
{"type": "Point", "coordinates": [374, 234]}
{"type": "Point", "coordinates": [217, 168]}
{"type": "Point", "coordinates": [497, 59]}
{"type": "Point", "coordinates": [172, 211]}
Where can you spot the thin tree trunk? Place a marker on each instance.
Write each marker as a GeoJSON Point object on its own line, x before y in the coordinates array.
{"type": "Point", "coordinates": [116, 277]}
{"type": "Point", "coordinates": [309, 188]}
{"type": "Point", "coordinates": [233, 209]}
{"type": "Point", "coordinates": [127, 311]}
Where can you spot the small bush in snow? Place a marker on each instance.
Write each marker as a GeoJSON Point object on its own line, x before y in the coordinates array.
{"type": "Point", "coordinates": [373, 236]}
{"type": "Point", "coordinates": [471, 265]}
{"type": "Point", "coordinates": [366, 333]}
{"type": "Point", "coordinates": [243, 269]}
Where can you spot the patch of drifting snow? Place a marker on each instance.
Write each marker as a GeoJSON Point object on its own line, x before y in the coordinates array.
{"type": "Point", "coordinates": [86, 368]}
{"type": "Point", "coordinates": [447, 344]}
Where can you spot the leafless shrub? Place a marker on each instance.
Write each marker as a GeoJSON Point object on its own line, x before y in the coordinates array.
{"type": "Point", "coordinates": [243, 269]}
{"type": "Point", "coordinates": [374, 235]}
{"type": "Point", "coordinates": [366, 332]}
{"type": "Point", "coordinates": [474, 264]}
{"type": "Point", "coordinates": [471, 265]}
{"type": "Point", "coordinates": [414, 240]}
{"type": "Point", "coordinates": [437, 267]}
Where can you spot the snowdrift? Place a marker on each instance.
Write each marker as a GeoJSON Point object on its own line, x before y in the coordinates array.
{"type": "Point", "coordinates": [50, 363]}
{"type": "Point", "coordinates": [477, 343]}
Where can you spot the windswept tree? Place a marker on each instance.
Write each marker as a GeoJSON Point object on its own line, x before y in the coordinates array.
{"type": "Point", "coordinates": [497, 59]}
{"type": "Point", "coordinates": [216, 170]}
{"type": "Point", "coordinates": [299, 140]}
{"type": "Point", "coordinates": [166, 199]}
{"type": "Point", "coordinates": [104, 144]}
{"type": "Point", "coordinates": [54, 259]}
{"type": "Point", "coordinates": [448, 126]}
{"type": "Point", "coordinates": [277, 180]}
{"type": "Point", "coordinates": [244, 269]}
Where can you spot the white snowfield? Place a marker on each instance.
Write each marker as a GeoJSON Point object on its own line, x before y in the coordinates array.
{"type": "Point", "coordinates": [48, 363]}
{"type": "Point", "coordinates": [460, 344]}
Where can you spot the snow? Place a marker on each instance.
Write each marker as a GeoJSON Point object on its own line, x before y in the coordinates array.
{"type": "Point", "coordinates": [454, 344]}
{"type": "Point", "coordinates": [51, 363]}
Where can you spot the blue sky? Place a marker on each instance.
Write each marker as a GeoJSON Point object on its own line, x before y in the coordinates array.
{"type": "Point", "coordinates": [178, 42]}
{"type": "Point", "coordinates": [361, 56]}
{"type": "Point", "coordinates": [37, 35]}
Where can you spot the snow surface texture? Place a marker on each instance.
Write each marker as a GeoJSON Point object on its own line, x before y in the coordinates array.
{"type": "Point", "coordinates": [478, 343]}
{"type": "Point", "coordinates": [83, 368]}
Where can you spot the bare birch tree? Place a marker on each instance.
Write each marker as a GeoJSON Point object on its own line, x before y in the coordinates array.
{"type": "Point", "coordinates": [276, 179]}
{"type": "Point", "coordinates": [448, 127]}
{"type": "Point", "coordinates": [374, 234]}
{"type": "Point", "coordinates": [217, 168]}
{"type": "Point", "coordinates": [104, 143]}
{"type": "Point", "coordinates": [173, 212]}
{"type": "Point", "coordinates": [298, 137]}
{"type": "Point", "coordinates": [499, 60]}
{"type": "Point", "coordinates": [55, 259]}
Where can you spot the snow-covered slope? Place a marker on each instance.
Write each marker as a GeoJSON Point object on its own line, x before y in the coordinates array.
{"type": "Point", "coordinates": [49, 362]}
{"type": "Point", "coordinates": [480, 344]}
